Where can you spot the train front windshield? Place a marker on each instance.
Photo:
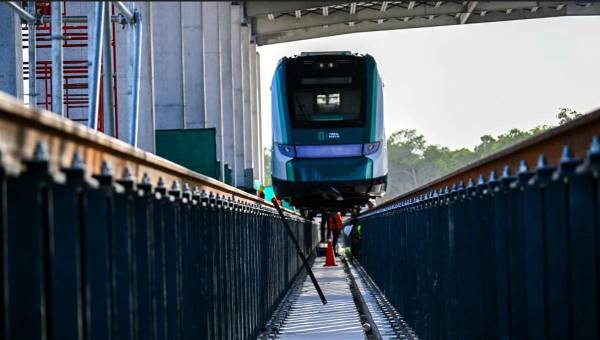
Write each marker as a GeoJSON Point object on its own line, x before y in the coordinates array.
{"type": "Point", "coordinates": [326, 93]}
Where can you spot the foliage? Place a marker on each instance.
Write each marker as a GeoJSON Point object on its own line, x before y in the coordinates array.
{"type": "Point", "coordinates": [413, 162]}
{"type": "Point", "coordinates": [566, 115]}
{"type": "Point", "coordinates": [267, 167]}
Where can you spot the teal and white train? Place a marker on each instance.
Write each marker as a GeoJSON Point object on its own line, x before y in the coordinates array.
{"type": "Point", "coordinates": [329, 147]}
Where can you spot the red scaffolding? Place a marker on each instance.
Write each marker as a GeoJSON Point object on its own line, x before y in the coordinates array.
{"type": "Point", "coordinates": [75, 71]}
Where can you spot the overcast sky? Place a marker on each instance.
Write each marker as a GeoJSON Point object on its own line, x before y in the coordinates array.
{"type": "Point", "coordinates": [456, 83]}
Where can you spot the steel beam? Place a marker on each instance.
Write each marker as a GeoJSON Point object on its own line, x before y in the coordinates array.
{"type": "Point", "coordinates": [495, 12]}
{"type": "Point", "coordinates": [94, 60]}
{"type": "Point", "coordinates": [256, 8]}
{"type": "Point", "coordinates": [79, 19]}
{"type": "Point", "coordinates": [126, 12]}
{"type": "Point", "coordinates": [287, 23]}
{"type": "Point", "coordinates": [469, 7]}
{"type": "Point", "coordinates": [26, 16]}
{"type": "Point", "coordinates": [316, 32]}
{"type": "Point", "coordinates": [136, 64]}
{"type": "Point", "coordinates": [316, 19]}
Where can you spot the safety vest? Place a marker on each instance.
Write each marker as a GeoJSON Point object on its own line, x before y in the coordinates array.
{"type": "Point", "coordinates": [335, 223]}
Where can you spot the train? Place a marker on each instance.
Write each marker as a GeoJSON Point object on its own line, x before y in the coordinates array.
{"type": "Point", "coordinates": [329, 148]}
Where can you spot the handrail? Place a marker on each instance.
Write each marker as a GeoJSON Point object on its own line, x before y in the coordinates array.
{"type": "Point", "coordinates": [577, 133]}
{"type": "Point", "coordinates": [21, 128]}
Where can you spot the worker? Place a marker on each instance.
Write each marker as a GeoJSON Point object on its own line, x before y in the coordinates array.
{"type": "Point", "coordinates": [335, 227]}
{"type": "Point", "coordinates": [261, 192]}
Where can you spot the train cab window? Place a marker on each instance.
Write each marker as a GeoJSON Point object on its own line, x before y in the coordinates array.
{"type": "Point", "coordinates": [325, 97]}
{"type": "Point", "coordinates": [329, 102]}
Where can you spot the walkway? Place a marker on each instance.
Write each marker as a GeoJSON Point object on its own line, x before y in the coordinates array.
{"type": "Point", "coordinates": [308, 318]}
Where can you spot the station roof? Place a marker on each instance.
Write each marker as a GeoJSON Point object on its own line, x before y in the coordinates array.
{"type": "Point", "coordinates": [283, 21]}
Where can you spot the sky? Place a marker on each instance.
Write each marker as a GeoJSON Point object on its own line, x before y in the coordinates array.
{"type": "Point", "coordinates": [454, 84]}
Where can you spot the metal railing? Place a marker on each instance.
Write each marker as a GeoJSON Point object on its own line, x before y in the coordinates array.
{"type": "Point", "coordinates": [504, 257]}
{"type": "Point", "coordinates": [86, 253]}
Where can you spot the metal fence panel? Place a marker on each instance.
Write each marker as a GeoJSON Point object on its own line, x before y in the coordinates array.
{"type": "Point", "coordinates": [107, 258]}
{"type": "Point", "coordinates": [515, 257]}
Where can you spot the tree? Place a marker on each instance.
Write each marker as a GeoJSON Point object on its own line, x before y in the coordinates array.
{"type": "Point", "coordinates": [566, 115]}
{"type": "Point", "coordinates": [413, 162]}
{"type": "Point", "coordinates": [267, 166]}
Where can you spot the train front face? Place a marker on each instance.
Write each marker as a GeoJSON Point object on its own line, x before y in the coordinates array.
{"type": "Point", "coordinates": [329, 147]}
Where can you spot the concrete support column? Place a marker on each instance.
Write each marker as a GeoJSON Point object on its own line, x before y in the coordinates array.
{"type": "Point", "coordinates": [193, 72]}
{"type": "Point", "coordinates": [226, 86]}
{"type": "Point", "coordinates": [254, 111]}
{"type": "Point", "coordinates": [238, 100]}
{"type": "Point", "coordinates": [168, 65]}
{"type": "Point", "coordinates": [11, 63]}
{"type": "Point", "coordinates": [247, 108]}
{"type": "Point", "coordinates": [211, 63]}
{"type": "Point", "coordinates": [261, 146]}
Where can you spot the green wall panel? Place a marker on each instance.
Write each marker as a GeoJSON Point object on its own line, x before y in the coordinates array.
{"type": "Point", "coordinates": [194, 149]}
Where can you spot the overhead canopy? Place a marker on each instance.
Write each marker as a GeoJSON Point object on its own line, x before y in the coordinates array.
{"type": "Point", "coordinates": [282, 21]}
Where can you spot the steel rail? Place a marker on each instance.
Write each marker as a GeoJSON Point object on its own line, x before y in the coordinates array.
{"type": "Point", "coordinates": [577, 133]}
{"type": "Point", "coordinates": [79, 19]}
{"type": "Point", "coordinates": [21, 128]}
{"type": "Point", "coordinates": [126, 12]}
{"type": "Point", "coordinates": [28, 17]}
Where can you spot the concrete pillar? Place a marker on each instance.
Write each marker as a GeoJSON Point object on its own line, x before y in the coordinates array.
{"type": "Point", "coordinates": [247, 117]}
{"type": "Point", "coordinates": [211, 62]}
{"type": "Point", "coordinates": [11, 63]}
{"type": "Point", "coordinates": [168, 65]}
{"type": "Point", "coordinates": [238, 100]}
{"type": "Point", "coordinates": [228, 127]}
{"type": "Point", "coordinates": [193, 71]}
{"type": "Point", "coordinates": [254, 110]}
{"type": "Point", "coordinates": [261, 147]}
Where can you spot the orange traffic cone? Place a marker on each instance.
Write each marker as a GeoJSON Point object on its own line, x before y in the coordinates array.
{"type": "Point", "coordinates": [329, 256]}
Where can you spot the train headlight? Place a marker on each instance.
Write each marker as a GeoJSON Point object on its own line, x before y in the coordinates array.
{"type": "Point", "coordinates": [370, 148]}
{"type": "Point", "coordinates": [287, 150]}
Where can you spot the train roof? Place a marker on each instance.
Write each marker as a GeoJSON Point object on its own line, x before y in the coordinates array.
{"type": "Point", "coordinates": [310, 54]}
